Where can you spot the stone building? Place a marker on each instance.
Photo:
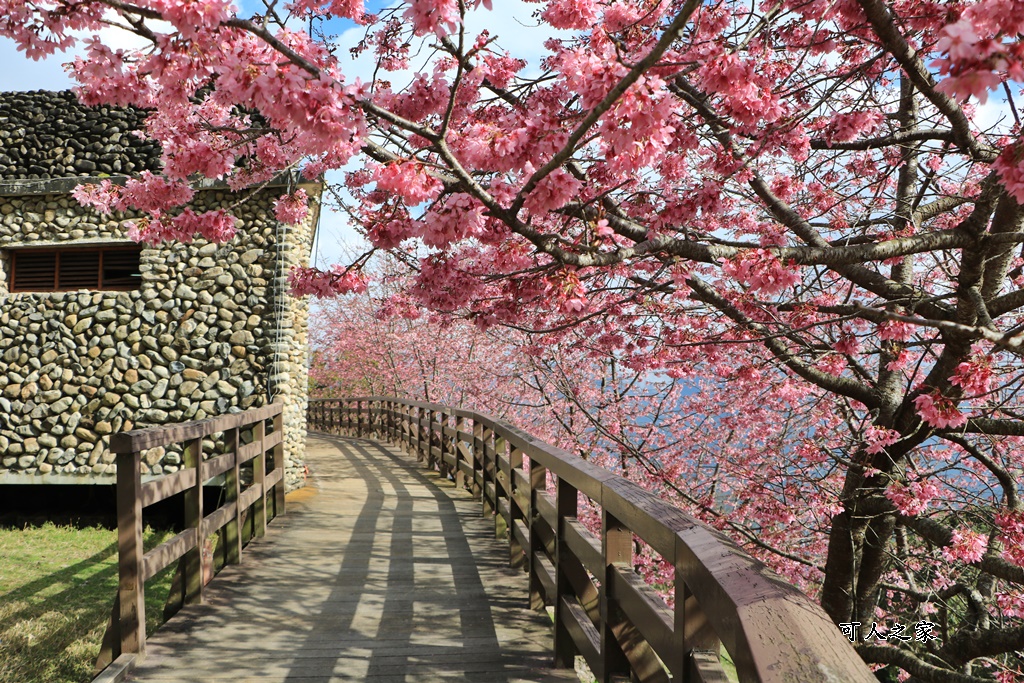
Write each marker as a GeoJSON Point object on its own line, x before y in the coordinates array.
{"type": "Point", "coordinates": [99, 334]}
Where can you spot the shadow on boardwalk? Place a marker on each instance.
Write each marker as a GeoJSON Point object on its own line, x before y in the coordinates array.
{"type": "Point", "coordinates": [386, 574]}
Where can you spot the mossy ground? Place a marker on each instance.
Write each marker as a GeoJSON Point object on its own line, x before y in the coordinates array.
{"type": "Point", "coordinates": [57, 586]}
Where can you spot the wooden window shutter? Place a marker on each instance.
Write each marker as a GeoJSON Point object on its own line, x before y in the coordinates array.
{"type": "Point", "coordinates": [75, 267]}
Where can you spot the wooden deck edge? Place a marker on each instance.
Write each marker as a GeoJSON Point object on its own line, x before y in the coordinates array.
{"type": "Point", "coordinates": [116, 671]}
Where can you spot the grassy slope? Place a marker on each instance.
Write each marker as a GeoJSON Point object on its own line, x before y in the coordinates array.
{"type": "Point", "coordinates": [57, 586]}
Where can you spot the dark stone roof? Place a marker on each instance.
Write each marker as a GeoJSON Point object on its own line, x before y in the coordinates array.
{"type": "Point", "coordinates": [46, 134]}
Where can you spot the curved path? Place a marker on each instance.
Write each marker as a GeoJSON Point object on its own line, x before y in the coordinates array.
{"type": "Point", "coordinates": [384, 573]}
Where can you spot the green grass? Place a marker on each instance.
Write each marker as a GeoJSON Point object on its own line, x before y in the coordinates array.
{"type": "Point", "coordinates": [57, 586]}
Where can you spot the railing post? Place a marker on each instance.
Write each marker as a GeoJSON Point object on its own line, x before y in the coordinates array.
{"type": "Point", "coordinates": [691, 630]}
{"type": "Point", "coordinates": [259, 477]}
{"type": "Point", "coordinates": [516, 550]}
{"type": "Point", "coordinates": [617, 543]}
{"type": "Point", "coordinates": [430, 439]}
{"type": "Point", "coordinates": [502, 526]}
{"type": "Point", "coordinates": [195, 562]}
{"type": "Point", "coordinates": [447, 444]}
{"type": "Point", "coordinates": [487, 471]}
{"type": "Point", "coordinates": [538, 485]}
{"type": "Point", "coordinates": [460, 476]}
{"type": "Point", "coordinates": [389, 420]}
{"type": "Point", "coordinates": [232, 490]}
{"type": "Point", "coordinates": [476, 486]}
{"type": "Point", "coordinates": [279, 464]}
{"type": "Point", "coordinates": [130, 586]}
{"type": "Point", "coordinates": [418, 424]}
{"type": "Point", "coordinates": [401, 436]}
{"type": "Point", "coordinates": [566, 508]}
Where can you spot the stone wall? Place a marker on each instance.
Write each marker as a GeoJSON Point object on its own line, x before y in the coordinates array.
{"type": "Point", "coordinates": [210, 330]}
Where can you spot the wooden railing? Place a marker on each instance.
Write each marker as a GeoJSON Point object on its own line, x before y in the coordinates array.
{"type": "Point", "coordinates": [248, 451]}
{"type": "Point", "coordinates": [602, 609]}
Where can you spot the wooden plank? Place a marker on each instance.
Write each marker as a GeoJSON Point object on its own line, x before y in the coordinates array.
{"type": "Point", "coordinates": [621, 650]}
{"type": "Point", "coordinates": [249, 451]}
{"type": "Point", "coordinates": [522, 497]}
{"type": "Point", "coordinates": [521, 482]}
{"type": "Point", "coordinates": [130, 584]}
{"type": "Point", "coordinates": [248, 497]}
{"type": "Point", "coordinates": [645, 610]}
{"type": "Point", "coordinates": [503, 467]}
{"type": "Point", "coordinates": [195, 563]}
{"type": "Point", "coordinates": [583, 634]}
{"type": "Point", "coordinates": [118, 670]}
{"type": "Point", "coordinates": [218, 465]}
{"type": "Point", "coordinates": [232, 491]}
{"type": "Point", "coordinates": [545, 537]}
{"type": "Point", "coordinates": [259, 479]}
{"type": "Point", "coordinates": [706, 667]}
{"type": "Point", "coordinates": [544, 570]}
{"type": "Point", "coordinates": [216, 519]}
{"type": "Point", "coordinates": [566, 507]}
{"type": "Point", "coordinates": [584, 545]}
{"type": "Point", "coordinates": [546, 508]}
{"type": "Point", "coordinates": [520, 533]}
{"type": "Point", "coordinates": [142, 439]}
{"type": "Point", "coordinates": [504, 512]}
{"type": "Point", "coordinates": [167, 552]}
{"type": "Point", "coordinates": [273, 478]}
{"type": "Point", "coordinates": [272, 439]}
{"type": "Point", "coordinates": [644, 514]}
{"type": "Point", "coordinates": [277, 472]}
{"type": "Point", "coordinates": [163, 488]}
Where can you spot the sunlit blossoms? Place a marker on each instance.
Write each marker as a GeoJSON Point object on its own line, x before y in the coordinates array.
{"type": "Point", "coordinates": [783, 240]}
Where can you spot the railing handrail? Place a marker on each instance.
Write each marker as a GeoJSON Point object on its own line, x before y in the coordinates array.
{"type": "Point", "coordinates": [773, 631]}
{"type": "Point", "coordinates": [127, 631]}
{"type": "Point", "coordinates": [163, 435]}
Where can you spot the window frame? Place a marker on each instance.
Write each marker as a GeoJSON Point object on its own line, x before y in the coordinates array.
{"type": "Point", "coordinates": [70, 250]}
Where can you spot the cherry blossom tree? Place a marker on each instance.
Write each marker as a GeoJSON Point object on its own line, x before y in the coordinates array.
{"type": "Point", "coordinates": [805, 202]}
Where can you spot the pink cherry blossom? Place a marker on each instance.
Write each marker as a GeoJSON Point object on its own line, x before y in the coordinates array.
{"type": "Point", "coordinates": [939, 411]}
{"type": "Point", "coordinates": [293, 208]}
{"type": "Point", "coordinates": [974, 376]}
{"type": "Point", "coordinates": [912, 498]}
{"type": "Point", "coordinates": [761, 271]}
{"type": "Point", "coordinates": [879, 438]}
{"type": "Point", "coordinates": [967, 546]}
{"type": "Point", "coordinates": [408, 180]}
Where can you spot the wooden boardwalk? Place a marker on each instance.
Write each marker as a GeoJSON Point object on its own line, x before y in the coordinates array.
{"type": "Point", "coordinates": [383, 573]}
